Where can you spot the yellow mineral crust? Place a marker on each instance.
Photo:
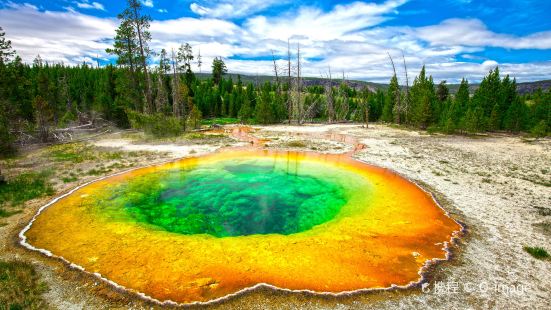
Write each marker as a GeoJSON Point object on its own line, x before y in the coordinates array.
{"type": "Point", "coordinates": [379, 239]}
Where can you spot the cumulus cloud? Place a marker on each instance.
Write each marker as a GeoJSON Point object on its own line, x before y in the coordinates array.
{"type": "Point", "coordinates": [473, 32]}
{"type": "Point", "coordinates": [148, 3]}
{"type": "Point", "coordinates": [348, 38]}
{"type": "Point", "coordinates": [316, 25]}
{"type": "Point", "coordinates": [232, 9]}
{"type": "Point", "coordinates": [90, 5]}
{"type": "Point", "coordinates": [57, 36]}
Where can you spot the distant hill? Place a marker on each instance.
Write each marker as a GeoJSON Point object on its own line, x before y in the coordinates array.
{"type": "Point", "coordinates": [523, 88]}
{"type": "Point", "coordinates": [307, 81]}
{"type": "Point", "coordinates": [531, 87]}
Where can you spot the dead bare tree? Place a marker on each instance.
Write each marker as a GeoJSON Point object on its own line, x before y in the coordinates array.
{"type": "Point", "coordinates": [365, 97]}
{"type": "Point", "coordinates": [311, 110]}
{"type": "Point", "coordinates": [161, 101]}
{"type": "Point", "coordinates": [406, 107]}
{"type": "Point", "coordinates": [300, 106]}
{"type": "Point", "coordinates": [398, 105]}
{"type": "Point", "coordinates": [278, 85]}
{"type": "Point", "coordinates": [199, 61]}
{"type": "Point", "coordinates": [344, 106]}
{"type": "Point", "coordinates": [289, 99]}
{"type": "Point", "coordinates": [330, 98]}
{"type": "Point", "coordinates": [175, 86]}
{"type": "Point", "coordinates": [366, 103]}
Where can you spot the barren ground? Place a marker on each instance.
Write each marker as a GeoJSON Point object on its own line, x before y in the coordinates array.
{"type": "Point", "coordinates": [498, 186]}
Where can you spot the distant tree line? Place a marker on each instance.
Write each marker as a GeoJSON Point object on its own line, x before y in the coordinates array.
{"type": "Point", "coordinates": [168, 99]}
{"type": "Point", "coordinates": [495, 105]}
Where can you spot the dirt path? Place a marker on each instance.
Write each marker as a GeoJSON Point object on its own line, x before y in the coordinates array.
{"type": "Point", "coordinates": [498, 186]}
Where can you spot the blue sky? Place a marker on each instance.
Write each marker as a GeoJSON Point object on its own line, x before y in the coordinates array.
{"type": "Point", "coordinates": [453, 38]}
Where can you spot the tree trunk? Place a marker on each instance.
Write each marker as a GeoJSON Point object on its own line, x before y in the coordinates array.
{"type": "Point", "coordinates": [406, 103]}
{"type": "Point", "coordinates": [398, 105]}
{"type": "Point", "coordinates": [175, 87]}
{"type": "Point", "coordinates": [366, 115]}
{"type": "Point", "coordinates": [289, 99]}
{"type": "Point", "coordinates": [148, 94]}
{"type": "Point", "coordinates": [132, 66]}
{"type": "Point", "coordinates": [278, 90]}
{"type": "Point", "coordinates": [330, 105]}
{"type": "Point", "coordinates": [299, 103]}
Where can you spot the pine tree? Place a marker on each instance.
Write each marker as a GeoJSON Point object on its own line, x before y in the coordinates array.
{"type": "Point", "coordinates": [424, 103]}
{"type": "Point", "coordinates": [185, 57]}
{"type": "Point", "coordinates": [540, 111]}
{"type": "Point", "coordinates": [474, 120]}
{"type": "Point", "coordinates": [462, 97]}
{"type": "Point", "coordinates": [218, 70]}
{"type": "Point", "coordinates": [161, 100]}
{"type": "Point", "coordinates": [6, 137]}
{"type": "Point", "coordinates": [494, 122]}
{"type": "Point", "coordinates": [44, 115]}
{"type": "Point", "coordinates": [246, 111]}
{"type": "Point", "coordinates": [264, 113]}
{"type": "Point", "coordinates": [443, 92]}
{"type": "Point", "coordinates": [164, 62]}
{"type": "Point", "coordinates": [140, 24]}
{"type": "Point", "coordinates": [184, 101]}
{"type": "Point", "coordinates": [515, 117]}
{"type": "Point", "coordinates": [392, 94]}
{"type": "Point", "coordinates": [195, 117]}
{"type": "Point", "coordinates": [488, 93]}
{"type": "Point", "coordinates": [6, 51]}
{"type": "Point", "coordinates": [125, 47]}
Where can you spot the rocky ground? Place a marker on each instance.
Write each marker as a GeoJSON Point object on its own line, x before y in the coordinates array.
{"type": "Point", "coordinates": [497, 185]}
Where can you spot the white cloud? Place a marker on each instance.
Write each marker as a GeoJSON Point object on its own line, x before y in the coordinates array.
{"type": "Point", "coordinates": [90, 5]}
{"type": "Point", "coordinates": [233, 9]}
{"type": "Point", "coordinates": [148, 3]}
{"type": "Point", "coordinates": [162, 11]}
{"type": "Point", "coordinates": [348, 38]}
{"type": "Point", "coordinates": [473, 32]}
{"type": "Point", "coordinates": [56, 36]}
{"type": "Point", "coordinates": [316, 25]}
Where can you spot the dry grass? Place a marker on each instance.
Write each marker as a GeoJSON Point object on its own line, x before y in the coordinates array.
{"type": "Point", "coordinates": [298, 144]}
{"type": "Point", "coordinates": [20, 286]}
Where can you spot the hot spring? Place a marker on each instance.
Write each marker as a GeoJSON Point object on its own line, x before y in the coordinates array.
{"type": "Point", "coordinates": [199, 229]}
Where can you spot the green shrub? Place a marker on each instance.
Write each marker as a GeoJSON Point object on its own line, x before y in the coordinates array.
{"type": "Point", "coordinates": [6, 137]}
{"type": "Point", "coordinates": [434, 129]}
{"type": "Point", "coordinates": [537, 252]}
{"type": "Point", "coordinates": [25, 187]}
{"type": "Point", "coordinates": [5, 213]}
{"type": "Point", "coordinates": [540, 130]}
{"type": "Point", "coordinates": [158, 125]}
{"type": "Point", "coordinates": [71, 152]}
{"type": "Point", "coordinates": [296, 144]}
{"type": "Point", "coordinates": [220, 121]}
{"type": "Point", "coordinates": [67, 119]}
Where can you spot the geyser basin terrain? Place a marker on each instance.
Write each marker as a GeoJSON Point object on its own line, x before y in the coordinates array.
{"type": "Point", "coordinates": [199, 229]}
